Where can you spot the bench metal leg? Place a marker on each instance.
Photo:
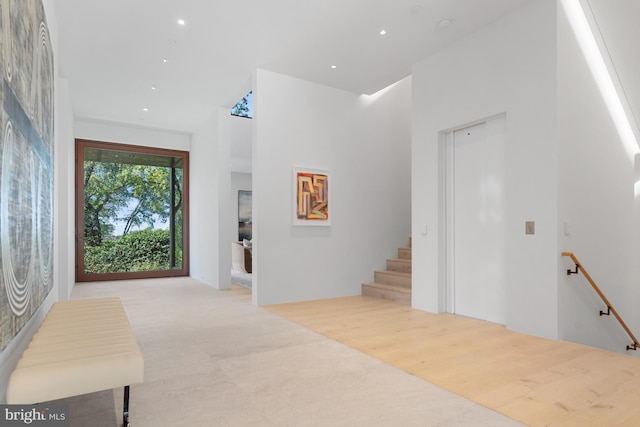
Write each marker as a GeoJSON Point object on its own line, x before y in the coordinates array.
{"type": "Point", "coordinates": [125, 407]}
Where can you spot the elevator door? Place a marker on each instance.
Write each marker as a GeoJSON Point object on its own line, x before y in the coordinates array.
{"type": "Point", "coordinates": [479, 289]}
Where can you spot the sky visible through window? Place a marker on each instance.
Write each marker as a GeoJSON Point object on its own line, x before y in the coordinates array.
{"type": "Point", "coordinates": [244, 107]}
{"type": "Point", "coordinates": [119, 225]}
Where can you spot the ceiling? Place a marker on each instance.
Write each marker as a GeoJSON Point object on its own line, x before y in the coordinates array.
{"type": "Point", "coordinates": [112, 51]}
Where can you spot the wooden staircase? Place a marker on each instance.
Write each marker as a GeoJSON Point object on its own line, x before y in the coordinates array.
{"type": "Point", "coordinates": [394, 283]}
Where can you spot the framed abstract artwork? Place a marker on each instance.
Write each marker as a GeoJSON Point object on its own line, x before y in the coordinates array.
{"type": "Point", "coordinates": [311, 197]}
{"type": "Point", "coordinates": [244, 215]}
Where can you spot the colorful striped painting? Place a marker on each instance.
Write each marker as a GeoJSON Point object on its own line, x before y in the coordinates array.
{"type": "Point", "coordinates": [311, 197]}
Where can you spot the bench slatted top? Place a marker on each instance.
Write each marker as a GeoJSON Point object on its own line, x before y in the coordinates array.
{"type": "Point", "coordinates": [82, 346]}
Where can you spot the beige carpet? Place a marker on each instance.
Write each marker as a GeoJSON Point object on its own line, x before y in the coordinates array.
{"type": "Point", "coordinates": [214, 360]}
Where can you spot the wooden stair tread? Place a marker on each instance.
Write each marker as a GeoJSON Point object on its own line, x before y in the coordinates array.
{"type": "Point", "coordinates": [394, 283]}
{"type": "Point", "coordinates": [399, 264]}
{"type": "Point", "coordinates": [394, 273]}
{"type": "Point", "coordinates": [400, 289]}
{"type": "Point", "coordinates": [404, 253]}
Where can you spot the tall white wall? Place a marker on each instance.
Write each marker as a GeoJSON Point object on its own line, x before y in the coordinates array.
{"type": "Point", "coordinates": [64, 192]}
{"type": "Point", "coordinates": [596, 189]}
{"type": "Point", "coordinates": [241, 134]}
{"type": "Point", "coordinates": [365, 142]}
{"type": "Point", "coordinates": [506, 68]}
{"type": "Point", "coordinates": [210, 201]}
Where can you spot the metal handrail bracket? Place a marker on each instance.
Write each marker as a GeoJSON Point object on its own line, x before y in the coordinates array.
{"type": "Point", "coordinates": [610, 308]}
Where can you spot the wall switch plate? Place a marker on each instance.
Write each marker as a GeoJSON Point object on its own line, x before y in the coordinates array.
{"type": "Point", "coordinates": [530, 227]}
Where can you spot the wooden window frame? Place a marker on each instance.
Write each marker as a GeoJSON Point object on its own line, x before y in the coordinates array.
{"type": "Point", "coordinates": [81, 275]}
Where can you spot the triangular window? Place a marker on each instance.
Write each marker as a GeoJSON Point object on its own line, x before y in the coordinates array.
{"type": "Point", "coordinates": [244, 107]}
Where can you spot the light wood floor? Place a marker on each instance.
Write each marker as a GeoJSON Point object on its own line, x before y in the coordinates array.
{"type": "Point", "coordinates": [239, 292]}
{"type": "Point", "coordinates": [536, 381]}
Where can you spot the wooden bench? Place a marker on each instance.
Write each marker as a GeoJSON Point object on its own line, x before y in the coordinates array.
{"type": "Point", "coordinates": [82, 346]}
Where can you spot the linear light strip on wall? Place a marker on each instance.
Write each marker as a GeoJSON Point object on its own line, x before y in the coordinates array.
{"type": "Point", "coordinates": [604, 77]}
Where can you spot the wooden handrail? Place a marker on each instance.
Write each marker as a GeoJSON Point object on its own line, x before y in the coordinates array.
{"type": "Point", "coordinates": [610, 307]}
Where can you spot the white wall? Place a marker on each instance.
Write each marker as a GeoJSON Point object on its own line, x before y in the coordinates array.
{"type": "Point", "coordinates": [210, 201]}
{"type": "Point", "coordinates": [365, 143]}
{"type": "Point", "coordinates": [98, 130]}
{"type": "Point", "coordinates": [64, 192]}
{"type": "Point", "coordinates": [241, 135]}
{"type": "Point", "coordinates": [508, 67]}
{"type": "Point", "coordinates": [596, 188]}
{"type": "Point", "coordinates": [239, 181]}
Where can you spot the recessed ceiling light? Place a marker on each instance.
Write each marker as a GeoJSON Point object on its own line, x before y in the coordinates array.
{"type": "Point", "coordinates": [444, 23]}
{"type": "Point", "coordinates": [333, 67]}
{"type": "Point", "coordinates": [145, 109]}
{"type": "Point", "coordinates": [181, 22]}
{"type": "Point", "coordinates": [154, 88]}
{"type": "Point", "coordinates": [165, 60]}
{"type": "Point", "coordinates": [383, 32]}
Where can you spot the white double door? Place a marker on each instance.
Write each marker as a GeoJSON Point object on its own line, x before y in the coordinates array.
{"type": "Point", "coordinates": [476, 222]}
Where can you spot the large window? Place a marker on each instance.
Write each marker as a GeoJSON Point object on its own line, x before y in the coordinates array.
{"type": "Point", "coordinates": [131, 211]}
